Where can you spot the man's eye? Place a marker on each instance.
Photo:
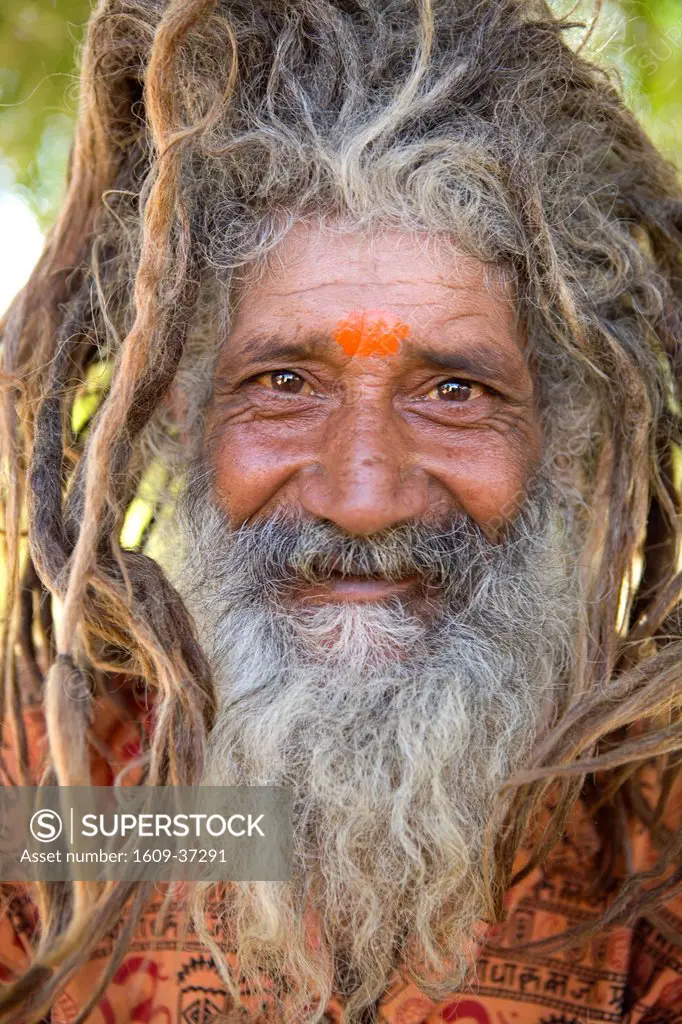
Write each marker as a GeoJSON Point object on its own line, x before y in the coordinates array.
{"type": "Point", "coordinates": [285, 381]}
{"type": "Point", "coordinates": [456, 390]}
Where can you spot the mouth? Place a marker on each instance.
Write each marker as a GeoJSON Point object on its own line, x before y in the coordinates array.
{"type": "Point", "coordinates": [341, 587]}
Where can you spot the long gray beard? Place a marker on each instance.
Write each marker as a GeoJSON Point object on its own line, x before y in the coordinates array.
{"type": "Point", "coordinates": [395, 728]}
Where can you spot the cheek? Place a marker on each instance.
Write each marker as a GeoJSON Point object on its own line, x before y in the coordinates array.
{"type": "Point", "coordinates": [488, 474]}
{"type": "Point", "coordinates": [253, 462]}
{"type": "Point", "coordinates": [485, 471]}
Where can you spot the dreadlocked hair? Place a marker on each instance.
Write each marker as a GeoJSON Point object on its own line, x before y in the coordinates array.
{"type": "Point", "coordinates": [207, 129]}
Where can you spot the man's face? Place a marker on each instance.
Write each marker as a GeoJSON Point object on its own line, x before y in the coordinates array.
{"type": "Point", "coordinates": [371, 382]}
{"type": "Point", "coordinates": [378, 573]}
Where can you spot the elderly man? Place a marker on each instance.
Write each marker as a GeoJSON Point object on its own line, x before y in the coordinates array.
{"type": "Point", "coordinates": [389, 294]}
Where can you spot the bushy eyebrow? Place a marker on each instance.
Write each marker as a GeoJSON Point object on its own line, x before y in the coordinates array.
{"type": "Point", "coordinates": [275, 346]}
{"type": "Point", "coordinates": [481, 360]}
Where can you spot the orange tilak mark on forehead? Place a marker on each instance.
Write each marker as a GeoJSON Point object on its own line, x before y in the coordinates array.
{"type": "Point", "coordinates": [370, 332]}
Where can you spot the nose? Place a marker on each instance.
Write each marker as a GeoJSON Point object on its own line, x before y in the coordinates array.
{"type": "Point", "coordinates": [362, 479]}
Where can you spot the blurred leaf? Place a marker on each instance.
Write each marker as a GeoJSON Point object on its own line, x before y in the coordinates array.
{"type": "Point", "coordinates": [87, 402]}
{"type": "Point", "coordinates": [653, 45]}
{"type": "Point", "coordinates": [39, 93]}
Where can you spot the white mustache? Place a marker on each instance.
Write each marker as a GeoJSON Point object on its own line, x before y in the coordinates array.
{"type": "Point", "coordinates": [273, 555]}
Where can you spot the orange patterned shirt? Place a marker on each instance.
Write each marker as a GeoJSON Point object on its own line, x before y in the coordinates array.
{"type": "Point", "coordinates": [629, 975]}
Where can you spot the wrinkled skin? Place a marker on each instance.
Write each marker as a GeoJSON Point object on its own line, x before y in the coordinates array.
{"type": "Point", "coordinates": [368, 382]}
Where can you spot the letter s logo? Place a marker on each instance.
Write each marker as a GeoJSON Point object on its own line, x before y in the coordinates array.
{"type": "Point", "coordinates": [45, 826]}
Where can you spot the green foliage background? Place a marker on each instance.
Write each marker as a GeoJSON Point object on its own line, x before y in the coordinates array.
{"type": "Point", "coordinates": [39, 44]}
{"type": "Point", "coordinates": [39, 41]}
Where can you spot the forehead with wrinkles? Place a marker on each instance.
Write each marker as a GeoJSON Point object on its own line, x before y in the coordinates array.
{"type": "Point", "coordinates": [321, 284]}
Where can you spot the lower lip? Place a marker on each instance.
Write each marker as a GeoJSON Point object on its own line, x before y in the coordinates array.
{"type": "Point", "coordinates": [358, 589]}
